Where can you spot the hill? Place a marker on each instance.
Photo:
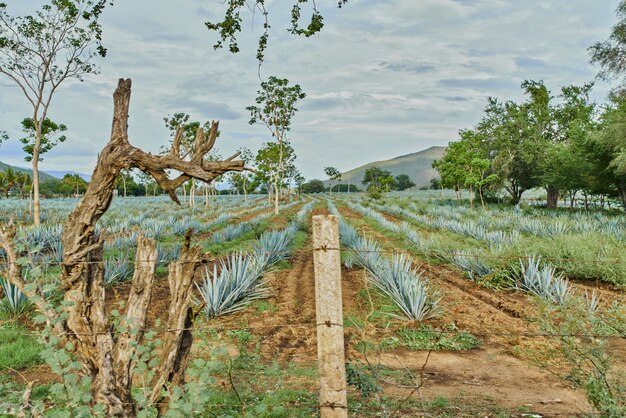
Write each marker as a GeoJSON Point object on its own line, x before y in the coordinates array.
{"type": "Point", "coordinates": [43, 177]}
{"type": "Point", "coordinates": [61, 174]}
{"type": "Point", "coordinates": [417, 165]}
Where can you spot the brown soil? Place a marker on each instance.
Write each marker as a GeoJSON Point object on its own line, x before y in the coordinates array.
{"type": "Point", "coordinates": [503, 320]}
{"type": "Point", "coordinates": [484, 375]}
{"type": "Point", "coordinates": [496, 374]}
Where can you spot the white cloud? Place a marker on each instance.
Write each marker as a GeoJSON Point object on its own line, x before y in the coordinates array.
{"type": "Point", "coordinates": [382, 79]}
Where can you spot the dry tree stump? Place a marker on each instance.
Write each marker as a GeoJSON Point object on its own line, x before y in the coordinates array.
{"type": "Point", "coordinates": [107, 355]}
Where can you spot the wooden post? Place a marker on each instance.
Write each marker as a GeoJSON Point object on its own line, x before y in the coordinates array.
{"type": "Point", "coordinates": [329, 317]}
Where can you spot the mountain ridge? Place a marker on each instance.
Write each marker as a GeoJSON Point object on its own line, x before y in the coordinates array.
{"type": "Point", "coordinates": [43, 176]}
{"type": "Point", "coordinates": [417, 165]}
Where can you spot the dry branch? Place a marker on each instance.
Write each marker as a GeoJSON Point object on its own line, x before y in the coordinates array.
{"type": "Point", "coordinates": [108, 354]}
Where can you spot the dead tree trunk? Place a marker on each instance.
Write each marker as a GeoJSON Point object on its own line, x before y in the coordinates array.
{"type": "Point", "coordinates": [107, 355]}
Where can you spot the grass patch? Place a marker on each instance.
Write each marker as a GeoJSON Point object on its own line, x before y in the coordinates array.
{"type": "Point", "coordinates": [427, 338]}
{"type": "Point", "coordinates": [18, 349]}
{"type": "Point", "coordinates": [263, 306]}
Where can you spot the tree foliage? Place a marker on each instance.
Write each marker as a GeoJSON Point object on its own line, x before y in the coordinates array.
{"type": "Point", "coordinates": [76, 182]}
{"type": "Point", "coordinates": [545, 141]}
{"type": "Point", "coordinates": [49, 138]}
{"type": "Point", "coordinates": [40, 52]}
{"type": "Point", "coordinates": [313, 186]}
{"type": "Point", "coordinates": [230, 26]}
{"type": "Point", "coordinates": [611, 53]}
{"type": "Point", "coordinates": [333, 174]}
{"type": "Point", "coordinates": [403, 182]}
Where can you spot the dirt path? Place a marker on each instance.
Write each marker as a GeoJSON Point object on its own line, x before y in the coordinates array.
{"type": "Point", "coordinates": [481, 377]}
{"type": "Point", "coordinates": [289, 333]}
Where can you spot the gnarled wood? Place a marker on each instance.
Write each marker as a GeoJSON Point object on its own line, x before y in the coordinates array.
{"type": "Point", "coordinates": [107, 354]}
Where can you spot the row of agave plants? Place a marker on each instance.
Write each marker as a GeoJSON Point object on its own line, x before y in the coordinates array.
{"type": "Point", "coordinates": [46, 249]}
{"type": "Point", "coordinates": [237, 280]}
{"type": "Point", "coordinates": [394, 276]}
{"type": "Point", "coordinates": [55, 211]}
{"type": "Point", "coordinates": [534, 277]}
{"type": "Point", "coordinates": [119, 265]}
{"type": "Point", "coordinates": [585, 246]}
{"type": "Point", "coordinates": [527, 221]}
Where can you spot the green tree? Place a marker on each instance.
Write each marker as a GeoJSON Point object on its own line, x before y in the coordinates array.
{"type": "Point", "coordinates": [465, 165]}
{"type": "Point", "coordinates": [607, 147]}
{"type": "Point", "coordinates": [40, 52]}
{"type": "Point", "coordinates": [272, 162]}
{"type": "Point", "coordinates": [452, 166]}
{"type": "Point", "coordinates": [123, 181]}
{"type": "Point", "coordinates": [403, 182]}
{"type": "Point", "coordinates": [435, 184]}
{"type": "Point", "coordinates": [49, 139]}
{"type": "Point", "coordinates": [275, 108]}
{"type": "Point", "coordinates": [333, 174]}
{"type": "Point", "coordinates": [23, 183]}
{"type": "Point", "coordinates": [565, 165]}
{"type": "Point", "coordinates": [243, 181]}
{"type": "Point", "coordinates": [378, 178]}
{"type": "Point", "coordinates": [76, 182]}
{"type": "Point", "coordinates": [8, 180]}
{"type": "Point", "coordinates": [611, 54]}
{"type": "Point", "coordinates": [299, 180]}
{"type": "Point", "coordinates": [313, 186]}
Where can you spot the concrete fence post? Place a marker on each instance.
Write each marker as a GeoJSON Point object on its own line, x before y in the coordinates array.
{"type": "Point", "coordinates": [329, 317]}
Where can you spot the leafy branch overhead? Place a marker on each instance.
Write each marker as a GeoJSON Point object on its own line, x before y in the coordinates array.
{"type": "Point", "coordinates": [230, 26]}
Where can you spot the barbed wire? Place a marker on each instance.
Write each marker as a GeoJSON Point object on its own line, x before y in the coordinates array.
{"type": "Point", "coordinates": [434, 254]}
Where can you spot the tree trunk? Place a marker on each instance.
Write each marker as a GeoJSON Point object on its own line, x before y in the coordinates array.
{"type": "Point", "coordinates": [515, 191]}
{"type": "Point", "coordinates": [192, 194]}
{"type": "Point", "coordinates": [553, 197]}
{"type": "Point", "coordinates": [106, 353]}
{"type": "Point", "coordinates": [276, 196]}
{"type": "Point", "coordinates": [36, 197]}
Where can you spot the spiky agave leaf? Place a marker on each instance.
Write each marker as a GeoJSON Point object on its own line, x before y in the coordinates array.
{"type": "Point", "coordinates": [405, 286]}
{"type": "Point", "coordinates": [471, 265]}
{"type": "Point", "coordinates": [14, 301]}
{"type": "Point", "coordinates": [543, 282]}
{"type": "Point", "coordinates": [230, 232]}
{"type": "Point", "coordinates": [273, 246]}
{"type": "Point", "coordinates": [166, 253]}
{"type": "Point", "coordinates": [232, 286]}
{"type": "Point", "coordinates": [117, 269]}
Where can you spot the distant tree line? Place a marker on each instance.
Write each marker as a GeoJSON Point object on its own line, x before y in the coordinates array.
{"type": "Point", "coordinates": [566, 145]}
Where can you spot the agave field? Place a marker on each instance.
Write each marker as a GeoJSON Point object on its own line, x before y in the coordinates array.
{"type": "Point", "coordinates": [448, 310]}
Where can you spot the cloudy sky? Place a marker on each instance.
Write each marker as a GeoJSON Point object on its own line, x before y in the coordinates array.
{"type": "Point", "coordinates": [383, 79]}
